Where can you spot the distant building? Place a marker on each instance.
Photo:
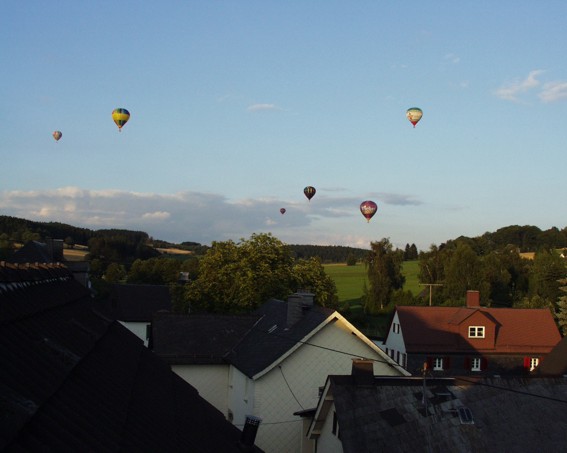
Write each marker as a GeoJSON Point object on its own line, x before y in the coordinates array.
{"type": "Point", "coordinates": [470, 340]}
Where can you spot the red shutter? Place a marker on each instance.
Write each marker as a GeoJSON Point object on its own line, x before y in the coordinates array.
{"type": "Point", "coordinates": [446, 363]}
{"type": "Point", "coordinates": [430, 363]}
{"type": "Point", "coordinates": [483, 364]}
{"type": "Point", "coordinates": [527, 363]}
{"type": "Point", "coordinates": [467, 365]}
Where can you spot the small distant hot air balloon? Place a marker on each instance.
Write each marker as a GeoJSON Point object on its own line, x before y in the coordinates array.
{"type": "Point", "coordinates": [414, 114]}
{"type": "Point", "coordinates": [120, 117]}
{"type": "Point", "coordinates": [309, 192]}
{"type": "Point", "coordinates": [282, 210]}
{"type": "Point", "coordinates": [57, 135]}
{"type": "Point", "coordinates": [368, 209]}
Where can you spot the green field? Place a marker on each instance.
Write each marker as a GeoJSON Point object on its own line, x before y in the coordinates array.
{"type": "Point", "coordinates": [350, 279]}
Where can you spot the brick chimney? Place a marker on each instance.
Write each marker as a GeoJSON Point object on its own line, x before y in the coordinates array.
{"type": "Point", "coordinates": [297, 304]}
{"type": "Point", "coordinates": [473, 299]}
{"type": "Point", "coordinates": [363, 372]}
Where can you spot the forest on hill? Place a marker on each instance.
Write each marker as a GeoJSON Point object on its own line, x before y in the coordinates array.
{"type": "Point", "coordinates": [131, 245]}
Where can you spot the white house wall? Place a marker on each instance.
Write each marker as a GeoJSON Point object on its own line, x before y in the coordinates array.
{"type": "Point", "coordinates": [211, 381]}
{"type": "Point", "coordinates": [240, 396]}
{"type": "Point", "coordinates": [395, 340]}
{"type": "Point", "coordinates": [140, 329]}
{"type": "Point", "coordinates": [305, 371]}
{"type": "Point", "coordinates": [327, 441]}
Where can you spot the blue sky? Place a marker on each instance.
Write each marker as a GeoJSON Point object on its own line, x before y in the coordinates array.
{"type": "Point", "coordinates": [236, 106]}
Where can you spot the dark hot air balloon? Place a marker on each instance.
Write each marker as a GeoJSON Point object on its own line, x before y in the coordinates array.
{"type": "Point", "coordinates": [414, 114]}
{"type": "Point", "coordinates": [282, 210]}
{"type": "Point", "coordinates": [120, 117]}
{"type": "Point", "coordinates": [368, 209]}
{"type": "Point", "coordinates": [309, 192]}
{"type": "Point", "coordinates": [57, 135]}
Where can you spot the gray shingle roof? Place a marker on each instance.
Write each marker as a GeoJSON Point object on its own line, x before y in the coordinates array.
{"type": "Point", "coordinates": [192, 339]}
{"type": "Point", "coordinates": [72, 379]}
{"type": "Point", "coordinates": [508, 415]}
{"type": "Point", "coordinates": [271, 338]}
{"type": "Point", "coordinates": [136, 302]}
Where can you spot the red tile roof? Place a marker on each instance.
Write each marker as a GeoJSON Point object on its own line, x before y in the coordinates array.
{"type": "Point", "coordinates": [430, 329]}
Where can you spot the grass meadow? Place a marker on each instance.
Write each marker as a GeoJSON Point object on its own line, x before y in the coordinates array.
{"type": "Point", "coordinates": [350, 281]}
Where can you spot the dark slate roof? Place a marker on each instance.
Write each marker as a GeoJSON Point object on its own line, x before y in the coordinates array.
{"type": "Point", "coordinates": [512, 414]}
{"type": "Point", "coordinates": [202, 339]}
{"type": "Point", "coordinates": [555, 363]}
{"type": "Point", "coordinates": [271, 338]}
{"type": "Point", "coordinates": [136, 303]}
{"type": "Point", "coordinates": [32, 252]}
{"type": "Point", "coordinates": [72, 379]}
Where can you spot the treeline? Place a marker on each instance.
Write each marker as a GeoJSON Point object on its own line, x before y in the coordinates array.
{"type": "Point", "coordinates": [328, 253]}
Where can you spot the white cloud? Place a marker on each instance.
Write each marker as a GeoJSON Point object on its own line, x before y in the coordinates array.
{"type": "Point", "coordinates": [196, 216]}
{"type": "Point", "coordinates": [156, 215]}
{"type": "Point", "coordinates": [553, 91]}
{"type": "Point", "coordinates": [262, 107]}
{"type": "Point", "coordinates": [451, 57]}
{"type": "Point", "coordinates": [510, 91]}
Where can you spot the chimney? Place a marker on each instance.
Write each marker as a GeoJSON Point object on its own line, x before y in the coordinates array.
{"type": "Point", "coordinates": [297, 304]}
{"type": "Point", "coordinates": [248, 436]}
{"type": "Point", "coordinates": [363, 371]}
{"type": "Point", "coordinates": [473, 299]}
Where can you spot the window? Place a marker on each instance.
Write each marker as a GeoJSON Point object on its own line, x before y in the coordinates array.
{"type": "Point", "coordinates": [534, 362]}
{"type": "Point", "coordinates": [336, 425]}
{"type": "Point", "coordinates": [404, 360]}
{"type": "Point", "coordinates": [396, 328]}
{"type": "Point", "coordinates": [438, 363]}
{"type": "Point", "coordinates": [475, 364]}
{"type": "Point", "coordinates": [476, 331]}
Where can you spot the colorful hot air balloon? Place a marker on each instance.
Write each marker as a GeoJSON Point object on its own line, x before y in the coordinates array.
{"type": "Point", "coordinates": [120, 117]}
{"type": "Point", "coordinates": [368, 209]}
{"type": "Point", "coordinates": [309, 192]}
{"type": "Point", "coordinates": [282, 210]}
{"type": "Point", "coordinates": [414, 115]}
{"type": "Point", "coordinates": [57, 135]}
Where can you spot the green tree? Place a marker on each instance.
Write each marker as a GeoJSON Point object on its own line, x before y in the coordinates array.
{"type": "Point", "coordinates": [155, 271]}
{"type": "Point", "coordinates": [547, 269]}
{"type": "Point", "coordinates": [238, 277]}
{"type": "Point", "coordinates": [351, 259]}
{"type": "Point", "coordinates": [384, 268]}
{"type": "Point", "coordinates": [463, 271]}
{"type": "Point", "coordinates": [115, 273]}
{"type": "Point", "coordinates": [310, 274]}
{"type": "Point", "coordinates": [561, 312]}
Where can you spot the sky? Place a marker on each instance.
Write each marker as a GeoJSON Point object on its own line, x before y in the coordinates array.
{"type": "Point", "coordinates": [236, 106]}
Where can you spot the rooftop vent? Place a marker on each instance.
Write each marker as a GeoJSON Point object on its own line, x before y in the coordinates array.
{"type": "Point", "coordinates": [465, 415]}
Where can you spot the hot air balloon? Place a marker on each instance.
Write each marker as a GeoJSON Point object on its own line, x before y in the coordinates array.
{"type": "Point", "coordinates": [414, 115]}
{"type": "Point", "coordinates": [368, 209]}
{"type": "Point", "coordinates": [282, 210]}
{"type": "Point", "coordinates": [309, 192]}
{"type": "Point", "coordinates": [120, 117]}
{"type": "Point", "coordinates": [57, 135]}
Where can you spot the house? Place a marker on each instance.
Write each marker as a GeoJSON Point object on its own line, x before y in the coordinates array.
{"type": "Point", "coordinates": [134, 306]}
{"type": "Point", "coordinates": [269, 364]}
{"type": "Point", "coordinates": [470, 339]}
{"type": "Point", "coordinates": [51, 251]}
{"type": "Point", "coordinates": [358, 413]}
{"type": "Point", "coordinates": [72, 379]}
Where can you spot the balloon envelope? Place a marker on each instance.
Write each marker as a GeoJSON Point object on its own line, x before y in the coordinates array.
{"type": "Point", "coordinates": [282, 210]}
{"type": "Point", "coordinates": [414, 114]}
{"type": "Point", "coordinates": [309, 192]}
{"type": "Point", "coordinates": [57, 135]}
{"type": "Point", "coordinates": [120, 117]}
{"type": "Point", "coordinates": [368, 209]}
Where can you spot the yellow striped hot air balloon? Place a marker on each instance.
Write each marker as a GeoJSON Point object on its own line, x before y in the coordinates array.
{"type": "Point", "coordinates": [414, 114]}
{"type": "Point", "coordinates": [120, 117]}
{"type": "Point", "coordinates": [57, 135]}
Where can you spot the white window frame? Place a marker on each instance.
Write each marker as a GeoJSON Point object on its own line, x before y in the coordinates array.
{"type": "Point", "coordinates": [476, 364]}
{"type": "Point", "coordinates": [534, 362]}
{"type": "Point", "coordinates": [395, 328]}
{"type": "Point", "coordinates": [477, 331]}
{"type": "Point", "coordinates": [437, 363]}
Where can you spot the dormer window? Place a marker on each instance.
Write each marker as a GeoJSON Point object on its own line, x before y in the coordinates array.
{"type": "Point", "coordinates": [476, 331]}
